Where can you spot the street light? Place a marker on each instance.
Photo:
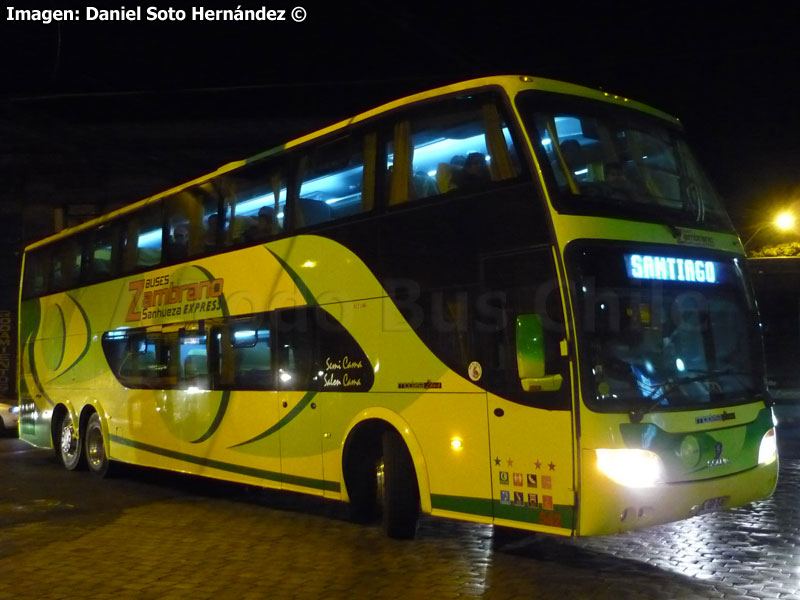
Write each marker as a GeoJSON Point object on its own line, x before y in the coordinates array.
{"type": "Point", "coordinates": [784, 221]}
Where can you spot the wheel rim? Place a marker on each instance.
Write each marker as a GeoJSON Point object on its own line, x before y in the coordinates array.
{"type": "Point", "coordinates": [69, 443]}
{"type": "Point", "coordinates": [95, 448]}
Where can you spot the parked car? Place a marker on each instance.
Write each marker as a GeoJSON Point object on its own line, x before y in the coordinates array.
{"type": "Point", "coordinates": [9, 417]}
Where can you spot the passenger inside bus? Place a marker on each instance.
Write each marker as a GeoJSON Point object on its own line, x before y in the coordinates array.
{"type": "Point", "coordinates": [263, 227]}
{"type": "Point", "coordinates": [179, 244]}
{"type": "Point", "coordinates": [619, 186]}
{"type": "Point", "coordinates": [447, 173]}
{"type": "Point", "coordinates": [424, 185]}
{"type": "Point", "coordinates": [475, 172]}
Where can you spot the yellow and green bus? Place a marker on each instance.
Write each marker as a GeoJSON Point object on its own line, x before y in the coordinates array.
{"type": "Point", "coordinates": [508, 300]}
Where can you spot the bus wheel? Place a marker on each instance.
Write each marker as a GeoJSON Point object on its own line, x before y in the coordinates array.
{"type": "Point", "coordinates": [95, 447]}
{"type": "Point", "coordinates": [363, 490]}
{"type": "Point", "coordinates": [397, 488]}
{"type": "Point", "coordinates": [69, 446]}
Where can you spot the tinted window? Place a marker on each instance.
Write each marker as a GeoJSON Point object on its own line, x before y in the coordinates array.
{"type": "Point", "coordinates": [191, 217]}
{"type": "Point", "coordinates": [245, 354]}
{"type": "Point", "coordinates": [463, 146]}
{"type": "Point", "coordinates": [65, 264]}
{"type": "Point", "coordinates": [193, 360]}
{"type": "Point", "coordinates": [294, 349]}
{"type": "Point", "coordinates": [332, 179]}
{"type": "Point", "coordinates": [523, 283]}
{"type": "Point", "coordinates": [255, 204]}
{"type": "Point", "coordinates": [142, 359]}
{"type": "Point", "coordinates": [607, 159]}
{"type": "Point", "coordinates": [315, 352]}
{"type": "Point", "coordinates": [37, 268]}
{"type": "Point", "coordinates": [143, 233]}
{"type": "Point", "coordinates": [664, 327]}
{"type": "Point", "coordinates": [103, 252]}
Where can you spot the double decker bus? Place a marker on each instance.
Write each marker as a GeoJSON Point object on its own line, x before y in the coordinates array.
{"type": "Point", "coordinates": [509, 300]}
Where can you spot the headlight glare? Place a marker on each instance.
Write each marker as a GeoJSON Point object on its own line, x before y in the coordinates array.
{"type": "Point", "coordinates": [631, 467]}
{"type": "Point", "coordinates": [768, 450]}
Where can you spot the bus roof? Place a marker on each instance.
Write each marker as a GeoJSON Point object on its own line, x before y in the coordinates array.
{"type": "Point", "coordinates": [513, 84]}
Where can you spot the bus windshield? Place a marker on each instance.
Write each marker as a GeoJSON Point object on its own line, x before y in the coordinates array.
{"type": "Point", "coordinates": [610, 160]}
{"type": "Point", "coordinates": [665, 329]}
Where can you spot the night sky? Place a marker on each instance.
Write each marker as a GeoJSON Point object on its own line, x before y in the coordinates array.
{"type": "Point", "coordinates": [730, 74]}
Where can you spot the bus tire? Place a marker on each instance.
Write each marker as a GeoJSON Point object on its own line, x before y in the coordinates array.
{"type": "Point", "coordinates": [362, 489]}
{"type": "Point", "coordinates": [95, 447]}
{"type": "Point", "coordinates": [70, 449]}
{"type": "Point", "coordinates": [397, 487]}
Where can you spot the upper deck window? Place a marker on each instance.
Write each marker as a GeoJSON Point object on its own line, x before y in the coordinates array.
{"type": "Point", "coordinates": [254, 205]}
{"type": "Point", "coordinates": [464, 145]}
{"type": "Point", "coordinates": [609, 160]}
{"type": "Point", "coordinates": [335, 180]}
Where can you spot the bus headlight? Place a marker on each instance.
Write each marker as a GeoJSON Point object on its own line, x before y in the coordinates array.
{"type": "Point", "coordinates": [768, 450]}
{"type": "Point", "coordinates": [631, 467]}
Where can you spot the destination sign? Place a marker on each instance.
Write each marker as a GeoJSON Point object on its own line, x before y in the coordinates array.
{"type": "Point", "coordinates": [668, 268]}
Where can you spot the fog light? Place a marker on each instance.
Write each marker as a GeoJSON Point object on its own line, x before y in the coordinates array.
{"type": "Point", "coordinates": [630, 467]}
{"type": "Point", "coordinates": [768, 450]}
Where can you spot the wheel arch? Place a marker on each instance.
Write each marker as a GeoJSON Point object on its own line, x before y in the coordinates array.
{"type": "Point", "coordinates": [366, 428]}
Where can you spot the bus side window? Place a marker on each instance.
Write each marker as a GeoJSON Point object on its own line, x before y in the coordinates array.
{"type": "Point", "coordinates": [139, 359]}
{"type": "Point", "coordinates": [463, 146]}
{"type": "Point", "coordinates": [254, 204]}
{"type": "Point", "coordinates": [245, 354]}
{"type": "Point", "coordinates": [191, 222]}
{"type": "Point", "coordinates": [142, 243]}
{"type": "Point", "coordinates": [34, 282]}
{"type": "Point", "coordinates": [65, 264]}
{"type": "Point", "coordinates": [103, 252]}
{"type": "Point", "coordinates": [193, 360]}
{"type": "Point", "coordinates": [294, 346]}
{"type": "Point", "coordinates": [517, 287]}
{"type": "Point", "coordinates": [336, 180]}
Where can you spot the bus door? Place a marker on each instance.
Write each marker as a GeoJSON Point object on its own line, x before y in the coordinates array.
{"type": "Point", "coordinates": [175, 358]}
{"type": "Point", "coordinates": [300, 425]}
{"type": "Point", "coordinates": [529, 400]}
{"type": "Point", "coordinates": [243, 355]}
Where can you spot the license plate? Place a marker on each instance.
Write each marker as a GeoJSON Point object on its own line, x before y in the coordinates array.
{"type": "Point", "coordinates": [710, 505]}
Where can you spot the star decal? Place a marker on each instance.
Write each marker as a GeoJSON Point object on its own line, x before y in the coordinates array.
{"type": "Point", "coordinates": [497, 462]}
{"type": "Point", "coordinates": [510, 462]}
{"type": "Point", "coordinates": [538, 465]}
{"type": "Point", "coordinates": [552, 466]}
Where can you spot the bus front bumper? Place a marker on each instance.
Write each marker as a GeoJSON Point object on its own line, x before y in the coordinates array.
{"type": "Point", "coordinates": [607, 507]}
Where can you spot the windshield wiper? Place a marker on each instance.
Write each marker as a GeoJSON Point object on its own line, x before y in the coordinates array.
{"type": "Point", "coordinates": [637, 414]}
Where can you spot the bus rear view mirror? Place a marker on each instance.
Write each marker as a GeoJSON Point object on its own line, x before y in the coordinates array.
{"type": "Point", "coordinates": [530, 344]}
